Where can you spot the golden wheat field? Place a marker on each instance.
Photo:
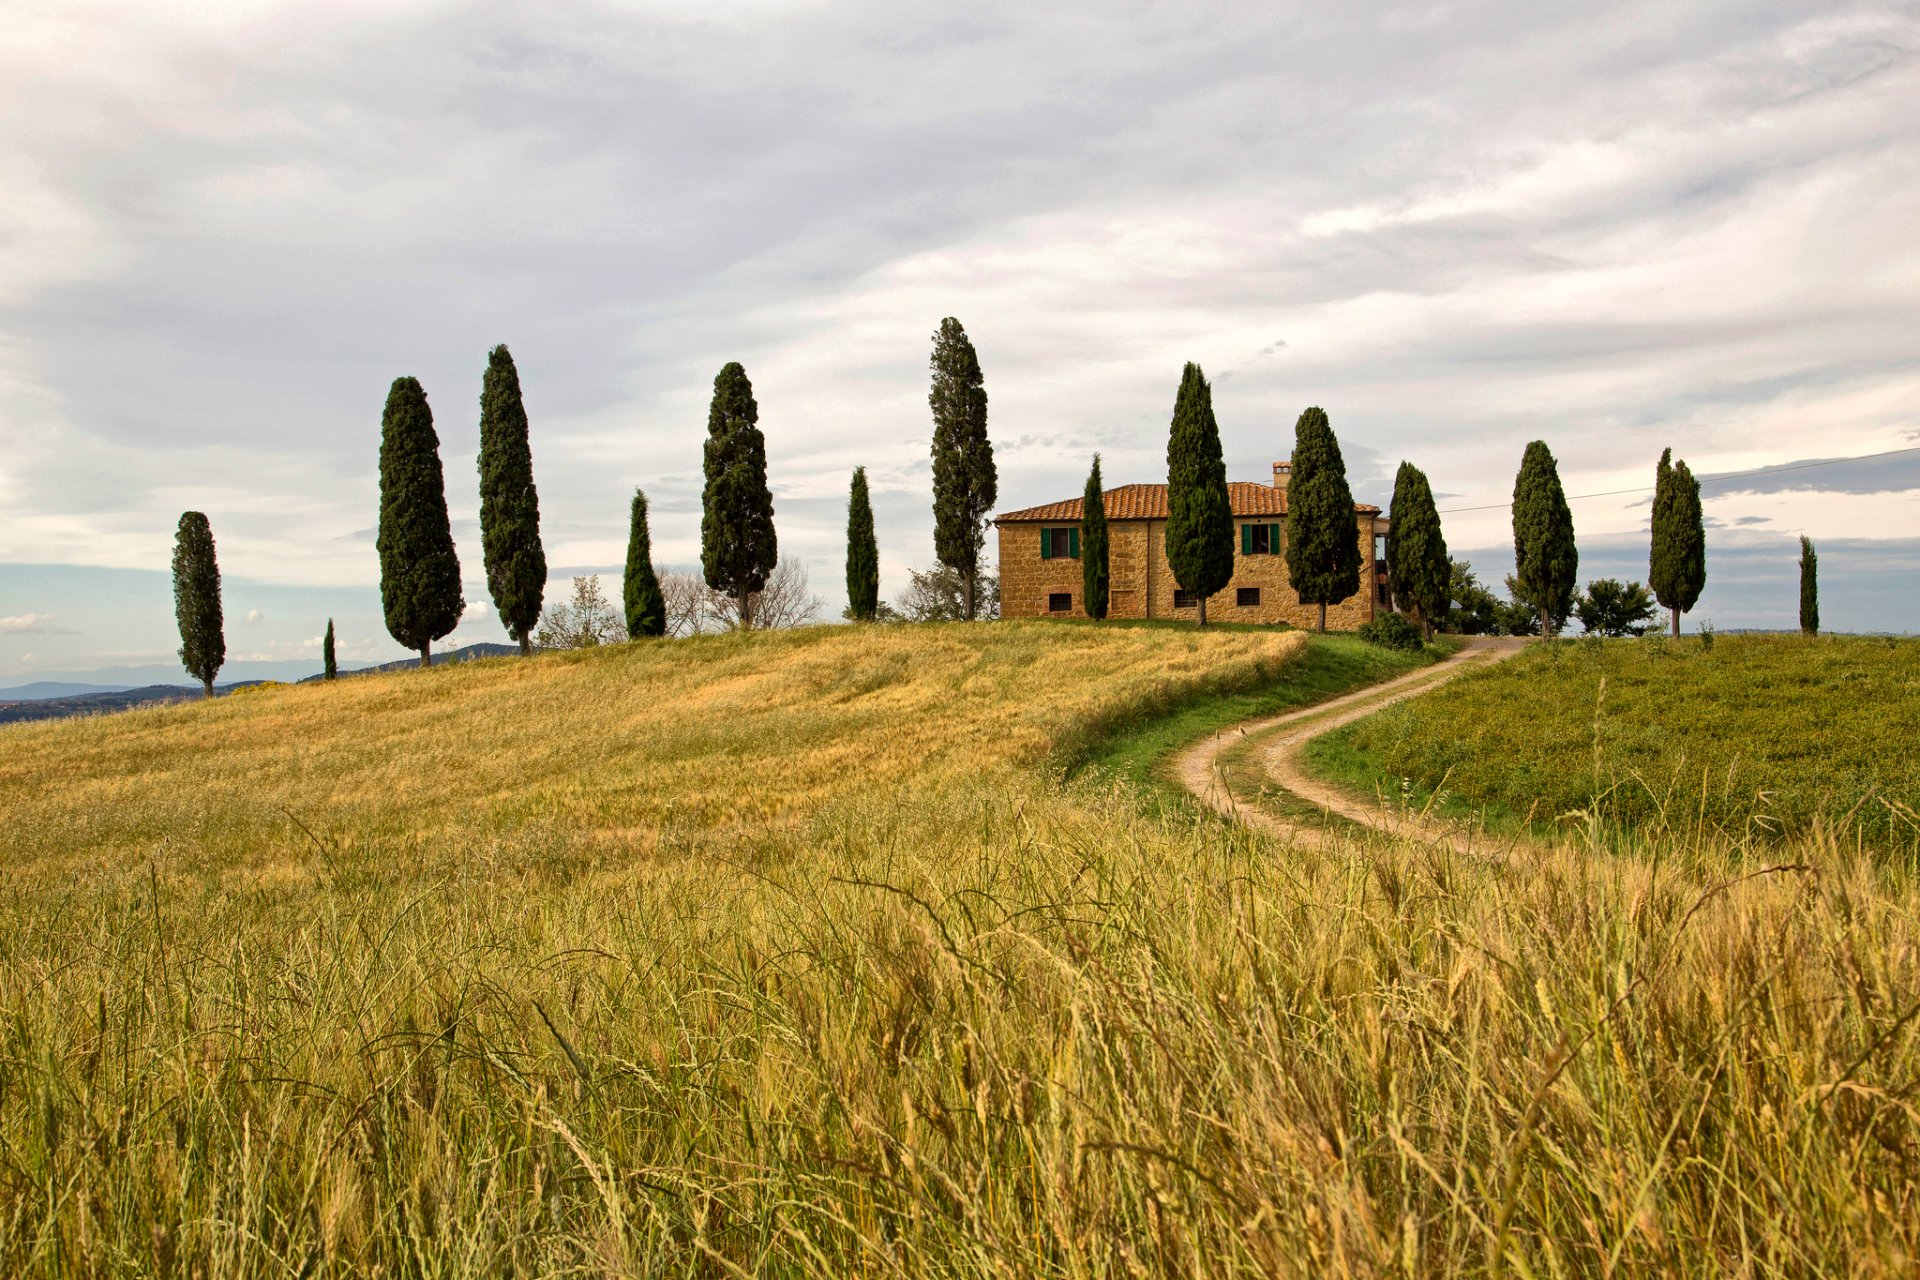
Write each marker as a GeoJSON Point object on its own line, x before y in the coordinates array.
{"type": "Point", "coordinates": [797, 954]}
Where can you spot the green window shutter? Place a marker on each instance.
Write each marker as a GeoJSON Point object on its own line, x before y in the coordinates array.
{"type": "Point", "coordinates": [1046, 544]}
{"type": "Point", "coordinates": [1246, 539]}
{"type": "Point", "coordinates": [1073, 544]}
{"type": "Point", "coordinates": [1273, 538]}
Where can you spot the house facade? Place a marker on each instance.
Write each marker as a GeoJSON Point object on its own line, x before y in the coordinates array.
{"type": "Point", "coordinates": [1040, 572]}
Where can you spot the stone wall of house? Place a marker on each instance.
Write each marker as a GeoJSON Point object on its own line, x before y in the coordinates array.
{"type": "Point", "coordinates": [1026, 581]}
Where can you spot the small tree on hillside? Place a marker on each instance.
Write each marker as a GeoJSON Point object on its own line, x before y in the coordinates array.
{"type": "Point", "coordinates": [1545, 558]}
{"type": "Point", "coordinates": [585, 621]}
{"type": "Point", "coordinates": [419, 572]}
{"type": "Point", "coordinates": [329, 668]}
{"type": "Point", "coordinates": [646, 608]}
{"type": "Point", "coordinates": [1199, 517]}
{"type": "Point", "coordinates": [863, 552]}
{"type": "Point", "coordinates": [516, 564]}
{"type": "Point", "coordinates": [1809, 588]}
{"type": "Point", "coordinates": [1677, 561]}
{"type": "Point", "coordinates": [1418, 569]}
{"type": "Point", "coordinates": [1093, 545]}
{"type": "Point", "coordinates": [965, 482]}
{"type": "Point", "coordinates": [784, 600]}
{"type": "Point", "coordinates": [1614, 608]}
{"type": "Point", "coordinates": [940, 595]}
{"type": "Point", "coordinates": [196, 600]}
{"type": "Point", "coordinates": [1323, 538]}
{"type": "Point", "coordinates": [737, 545]}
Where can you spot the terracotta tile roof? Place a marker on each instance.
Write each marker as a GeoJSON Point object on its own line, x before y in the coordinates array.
{"type": "Point", "coordinates": [1149, 502]}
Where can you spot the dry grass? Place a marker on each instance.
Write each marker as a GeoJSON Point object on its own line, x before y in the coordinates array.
{"type": "Point", "coordinates": [918, 1010]}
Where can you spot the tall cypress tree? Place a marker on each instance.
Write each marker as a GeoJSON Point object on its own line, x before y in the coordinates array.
{"type": "Point", "coordinates": [646, 604]}
{"type": "Point", "coordinates": [1809, 588]}
{"type": "Point", "coordinates": [509, 507]}
{"type": "Point", "coordinates": [196, 600]}
{"type": "Point", "coordinates": [965, 483]}
{"type": "Point", "coordinates": [737, 545]}
{"type": "Point", "coordinates": [329, 668]}
{"type": "Point", "coordinates": [1677, 560]}
{"type": "Point", "coordinates": [1323, 536]}
{"type": "Point", "coordinates": [1546, 561]}
{"type": "Point", "coordinates": [419, 572]}
{"type": "Point", "coordinates": [1093, 545]}
{"type": "Point", "coordinates": [1199, 519]}
{"type": "Point", "coordinates": [1418, 568]}
{"type": "Point", "coordinates": [863, 553]}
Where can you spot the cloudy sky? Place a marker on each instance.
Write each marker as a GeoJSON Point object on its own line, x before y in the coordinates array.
{"type": "Point", "coordinates": [228, 226]}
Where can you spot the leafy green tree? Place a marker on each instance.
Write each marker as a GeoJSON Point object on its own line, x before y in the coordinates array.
{"type": "Point", "coordinates": [419, 572]}
{"type": "Point", "coordinates": [516, 563]}
{"type": "Point", "coordinates": [1614, 608]}
{"type": "Point", "coordinates": [1677, 568]}
{"type": "Point", "coordinates": [1418, 568]}
{"type": "Point", "coordinates": [737, 545]}
{"type": "Point", "coordinates": [196, 600]}
{"type": "Point", "coordinates": [965, 483]}
{"type": "Point", "coordinates": [1323, 538]}
{"type": "Point", "coordinates": [1545, 558]}
{"type": "Point", "coordinates": [1093, 545]}
{"type": "Point", "coordinates": [1809, 588]}
{"type": "Point", "coordinates": [646, 606]}
{"type": "Point", "coordinates": [1475, 611]}
{"type": "Point", "coordinates": [330, 669]}
{"type": "Point", "coordinates": [1199, 519]}
{"type": "Point", "coordinates": [863, 552]}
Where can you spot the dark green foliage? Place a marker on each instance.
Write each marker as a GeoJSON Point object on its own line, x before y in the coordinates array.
{"type": "Point", "coordinates": [1391, 631]}
{"type": "Point", "coordinates": [509, 507]}
{"type": "Point", "coordinates": [1199, 519]}
{"type": "Point", "coordinates": [1474, 610]}
{"type": "Point", "coordinates": [1677, 562]}
{"type": "Point", "coordinates": [1093, 545]}
{"type": "Point", "coordinates": [1515, 617]}
{"type": "Point", "coordinates": [419, 572]}
{"type": "Point", "coordinates": [1545, 558]}
{"type": "Point", "coordinates": [1809, 588]}
{"type": "Point", "coordinates": [863, 553]}
{"type": "Point", "coordinates": [329, 668]}
{"type": "Point", "coordinates": [1323, 537]}
{"type": "Point", "coordinates": [196, 600]}
{"type": "Point", "coordinates": [1417, 564]}
{"type": "Point", "coordinates": [737, 545]}
{"type": "Point", "coordinates": [965, 483]}
{"type": "Point", "coordinates": [646, 605]}
{"type": "Point", "coordinates": [1614, 608]}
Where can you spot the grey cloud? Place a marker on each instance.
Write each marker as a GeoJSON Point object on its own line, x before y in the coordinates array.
{"type": "Point", "coordinates": [1896, 474]}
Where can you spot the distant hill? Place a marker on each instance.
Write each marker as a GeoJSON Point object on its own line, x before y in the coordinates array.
{"type": "Point", "coordinates": [464, 654]}
{"type": "Point", "coordinates": [57, 689]}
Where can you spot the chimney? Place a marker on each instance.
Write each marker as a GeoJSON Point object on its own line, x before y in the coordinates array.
{"type": "Point", "coordinates": [1282, 471]}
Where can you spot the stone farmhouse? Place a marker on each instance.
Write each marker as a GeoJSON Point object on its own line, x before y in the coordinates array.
{"type": "Point", "coordinates": [1040, 560]}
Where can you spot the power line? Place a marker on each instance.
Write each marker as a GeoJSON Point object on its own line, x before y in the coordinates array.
{"type": "Point", "coordinates": [1731, 475]}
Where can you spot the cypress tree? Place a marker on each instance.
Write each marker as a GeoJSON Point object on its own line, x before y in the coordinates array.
{"type": "Point", "coordinates": [419, 572]}
{"type": "Point", "coordinates": [1677, 561]}
{"type": "Point", "coordinates": [509, 506]}
{"type": "Point", "coordinates": [965, 483]}
{"type": "Point", "coordinates": [737, 545]}
{"type": "Point", "coordinates": [646, 604]}
{"type": "Point", "coordinates": [1809, 588]}
{"type": "Point", "coordinates": [1418, 568]}
{"type": "Point", "coordinates": [1323, 537]}
{"type": "Point", "coordinates": [1093, 545]}
{"type": "Point", "coordinates": [1545, 558]}
{"type": "Point", "coordinates": [329, 668]}
{"type": "Point", "coordinates": [196, 600]}
{"type": "Point", "coordinates": [863, 553]}
{"type": "Point", "coordinates": [1199, 519]}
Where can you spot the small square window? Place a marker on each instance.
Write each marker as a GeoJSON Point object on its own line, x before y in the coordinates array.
{"type": "Point", "coordinates": [1247, 597]}
{"type": "Point", "coordinates": [1182, 599]}
{"type": "Point", "coordinates": [1060, 602]}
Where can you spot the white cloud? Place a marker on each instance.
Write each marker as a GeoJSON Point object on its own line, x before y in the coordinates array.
{"type": "Point", "coordinates": [34, 624]}
{"type": "Point", "coordinates": [253, 619]}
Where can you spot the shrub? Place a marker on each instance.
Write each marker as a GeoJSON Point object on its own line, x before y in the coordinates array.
{"type": "Point", "coordinates": [1391, 631]}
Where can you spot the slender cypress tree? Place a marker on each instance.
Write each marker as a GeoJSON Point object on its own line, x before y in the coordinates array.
{"type": "Point", "coordinates": [646, 604]}
{"type": "Point", "coordinates": [1093, 545]}
{"type": "Point", "coordinates": [1199, 519]}
{"type": "Point", "coordinates": [196, 600]}
{"type": "Point", "coordinates": [1545, 558]}
{"type": "Point", "coordinates": [737, 545]}
{"type": "Point", "coordinates": [863, 553]}
{"type": "Point", "coordinates": [1418, 568]}
{"type": "Point", "coordinates": [419, 572]}
{"type": "Point", "coordinates": [965, 483]}
{"type": "Point", "coordinates": [1809, 588]}
{"type": "Point", "coordinates": [329, 668]}
{"type": "Point", "coordinates": [1677, 561]}
{"type": "Point", "coordinates": [1323, 537]}
{"type": "Point", "coordinates": [509, 507]}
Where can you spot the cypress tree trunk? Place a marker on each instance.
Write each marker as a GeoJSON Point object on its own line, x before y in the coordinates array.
{"type": "Point", "coordinates": [426, 653]}
{"type": "Point", "coordinates": [965, 481]}
{"type": "Point", "coordinates": [737, 545]}
{"type": "Point", "coordinates": [516, 564]}
{"type": "Point", "coordinates": [1675, 613]}
{"type": "Point", "coordinates": [1199, 517]}
{"type": "Point", "coordinates": [419, 572]}
{"type": "Point", "coordinates": [196, 600]}
{"type": "Point", "coordinates": [1321, 625]}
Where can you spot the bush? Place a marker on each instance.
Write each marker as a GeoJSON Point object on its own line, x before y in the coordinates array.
{"type": "Point", "coordinates": [1391, 631]}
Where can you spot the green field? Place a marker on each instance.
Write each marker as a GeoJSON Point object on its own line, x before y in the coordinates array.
{"type": "Point", "coordinates": [1753, 737]}
{"type": "Point", "coordinates": [799, 954]}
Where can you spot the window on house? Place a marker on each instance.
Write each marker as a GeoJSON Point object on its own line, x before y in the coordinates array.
{"type": "Point", "coordinates": [1060, 602]}
{"type": "Point", "coordinates": [1182, 599]}
{"type": "Point", "coordinates": [1060, 544]}
{"type": "Point", "coordinates": [1247, 597]}
{"type": "Point", "coordinates": [1260, 540]}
